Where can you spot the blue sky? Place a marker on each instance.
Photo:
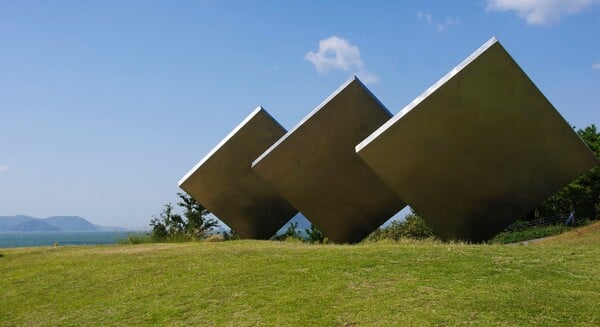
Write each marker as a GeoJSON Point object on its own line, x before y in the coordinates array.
{"type": "Point", "coordinates": [105, 105]}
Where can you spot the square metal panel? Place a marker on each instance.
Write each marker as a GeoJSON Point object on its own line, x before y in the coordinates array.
{"type": "Point", "coordinates": [314, 166]}
{"type": "Point", "coordinates": [225, 184]}
{"type": "Point", "coordinates": [478, 149]}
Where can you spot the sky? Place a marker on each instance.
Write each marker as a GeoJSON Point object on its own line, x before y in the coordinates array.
{"type": "Point", "coordinates": [105, 105]}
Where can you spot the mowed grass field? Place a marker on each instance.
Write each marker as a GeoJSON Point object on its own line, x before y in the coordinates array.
{"type": "Point", "coordinates": [250, 283]}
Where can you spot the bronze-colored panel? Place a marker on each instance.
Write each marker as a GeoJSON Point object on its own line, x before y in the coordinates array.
{"type": "Point", "coordinates": [314, 166]}
{"type": "Point", "coordinates": [478, 149]}
{"type": "Point", "coordinates": [224, 182]}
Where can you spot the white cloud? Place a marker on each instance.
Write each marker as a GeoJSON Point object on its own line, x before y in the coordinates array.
{"type": "Point", "coordinates": [424, 16]}
{"type": "Point", "coordinates": [3, 168]}
{"type": "Point", "coordinates": [540, 12]}
{"type": "Point", "coordinates": [440, 26]}
{"type": "Point", "coordinates": [596, 66]}
{"type": "Point", "coordinates": [338, 54]}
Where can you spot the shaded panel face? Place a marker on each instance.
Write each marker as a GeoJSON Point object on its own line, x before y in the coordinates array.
{"type": "Point", "coordinates": [224, 182]}
{"type": "Point", "coordinates": [315, 167]}
{"type": "Point", "coordinates": [478, 149]}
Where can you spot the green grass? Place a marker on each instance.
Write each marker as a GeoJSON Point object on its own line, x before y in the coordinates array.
{"type": "Point", "coordinates": [136, 238]}
{"type": "Point", "coordinates": [144, 238]}
{"type": "Point", "coordinates": [249, 283]}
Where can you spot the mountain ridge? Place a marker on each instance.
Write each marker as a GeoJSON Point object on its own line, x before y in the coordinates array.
{"type": "Point", "coordinates": [23, 223]}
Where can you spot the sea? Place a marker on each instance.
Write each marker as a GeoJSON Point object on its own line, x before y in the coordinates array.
{"type": "Point", "coordinates": [27, 239]}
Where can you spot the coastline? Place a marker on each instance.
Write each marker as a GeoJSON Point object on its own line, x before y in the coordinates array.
{"type": "Point", "coordinates": [35, 239]}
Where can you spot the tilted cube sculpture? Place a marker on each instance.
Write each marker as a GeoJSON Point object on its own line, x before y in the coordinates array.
{"type": "Point", "coordinates": [224, 182]}
{"type": "Point", "coordinates": [478, 149]}
{"type": "Point", "coordinates": [314, 166]}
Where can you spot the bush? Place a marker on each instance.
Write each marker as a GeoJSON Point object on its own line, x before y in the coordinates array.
{"type": "Point", "coordinates": [415, 227]}
{"type": "Point", "coordinates": [412, 226]}
{"type": "Point", "coordinates": [314, 234]}
{"type": "Point", "coordinates": [529, 234]}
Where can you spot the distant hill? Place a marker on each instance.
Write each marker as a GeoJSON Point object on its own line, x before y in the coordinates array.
{"type": "Point", "coordinates": [71, 224]}
{"type": "Point", "coordinates": [7, 222]}
{"type": "Point", "coordinates": [33, 225]}
{"type": "Point", "coordinates": [23, 223]}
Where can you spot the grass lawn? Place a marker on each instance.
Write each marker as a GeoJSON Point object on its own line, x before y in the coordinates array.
{"type": "Point", "coordinates": [249, 283]}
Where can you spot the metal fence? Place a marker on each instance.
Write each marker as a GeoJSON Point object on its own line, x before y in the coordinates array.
{"type": "Point", "coordinates": [553, 220]}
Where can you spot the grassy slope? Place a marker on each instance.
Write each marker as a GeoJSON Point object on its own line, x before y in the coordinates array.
{"type": "Point", "coordinates": [587, 235]}
{"type": "Point", "coordinates": [275, 283]}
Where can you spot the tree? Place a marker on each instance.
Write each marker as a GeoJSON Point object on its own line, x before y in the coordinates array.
{"type": "Point", "coordinates": [172, 226]}
{"type": "Point", "coordinates": [581, 196]}
{"type": "Point", "coordinates": [166, 224]}
{"type": "Point", "coordinates": [290, 233]}
{"type": "Point", "coordinates": [197, 223]}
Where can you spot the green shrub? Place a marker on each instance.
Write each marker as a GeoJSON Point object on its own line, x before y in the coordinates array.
{"type": "Point", "coordinates": [412, 226]}
{"type": "Point", "coordinates": [529, 234]}
{"type": "Point", "coordinates": [415, 227]}
{"type": "Point", "coordinates": [314, 234]}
